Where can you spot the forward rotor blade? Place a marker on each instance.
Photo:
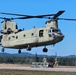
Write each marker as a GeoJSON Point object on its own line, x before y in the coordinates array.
{"type": "Point", "coordinates": [58, 14]}
{"type": "Point", "coordinates": [39, 16]}
{"type": "Point", "coordinates": [44, 15]}
{"type": "Point", "coordinates": [66, 19]}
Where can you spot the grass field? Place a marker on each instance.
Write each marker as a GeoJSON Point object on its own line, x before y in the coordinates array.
{"type": "Point", "coordinates": [24, 72]}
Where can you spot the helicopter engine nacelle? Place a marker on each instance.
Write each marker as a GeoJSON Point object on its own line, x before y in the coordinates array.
{"type": "Point", "coordinates": [52, 24]}
{"type": "Point", "coordinates": [9, 27]}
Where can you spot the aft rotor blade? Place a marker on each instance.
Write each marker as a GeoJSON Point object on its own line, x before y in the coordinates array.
{"type": "Point", "coordinates": [58, 14]}
{"type": "Point", "coordinates": [6, 18]}
{"type": "Point", "coordinates": [13, 14]}
{"type": "Point", "coordinates": [26, 15]}
{"type": "Point", "coordinates": [2, 18]}
{"type": "Point", "coordinates": [66, 19]}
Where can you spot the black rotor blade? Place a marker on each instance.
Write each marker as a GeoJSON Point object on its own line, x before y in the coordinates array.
{"type": "Point", "coordinates": [43, 16]}
{"type": "Point", "coordinates": [66, 19]}
{"type": "Point", "coordinates": [6, 18]}
{"type": "Point", "coordinates": [13, 14]}
{"type": "Point", "coordinates": [26, 15]}
{"type": "Point", "coordinates": [58, 14]}
{"type": "Point", "coordinates": [2, 18]}
{"type": "Point", "coordinates": [39, 16]}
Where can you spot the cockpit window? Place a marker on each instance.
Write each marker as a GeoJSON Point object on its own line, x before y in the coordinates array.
{"type": "Point", "coordinates": [59, 31]}
{"type": "Point", "coordinates": [54, 30]}
{"type": "Point", "coordinates": [49, 31]}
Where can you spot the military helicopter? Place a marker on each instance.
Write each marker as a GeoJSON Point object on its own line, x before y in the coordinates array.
{"type": "Point", "coordinates": [12, 37]}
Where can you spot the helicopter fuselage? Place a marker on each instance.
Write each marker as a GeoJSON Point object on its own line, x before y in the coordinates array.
{"type": "Point", "coordinates": [35, 37]}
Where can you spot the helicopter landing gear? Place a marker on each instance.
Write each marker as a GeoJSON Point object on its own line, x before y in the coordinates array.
{"type": "Point", "coordinates": [19, 51]}
{"type": "Point", "coordinates": [28, 48]}
{"type": "Point", "coordinates": [45, 49]}
{"type": "Point", "coordinates": [2, 50]}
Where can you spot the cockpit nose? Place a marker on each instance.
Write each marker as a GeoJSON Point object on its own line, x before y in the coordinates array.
{"type": "Point", "coordinates": [60, 37]}
{"type": "Point", "coordinates": [56, 34]}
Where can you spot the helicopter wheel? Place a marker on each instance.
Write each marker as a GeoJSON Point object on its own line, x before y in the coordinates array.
{"type": "Point", "coordinates": [45, 49]}
{"type": "Point", "coordinates": [19, 51]}
{"type": "Point", "coordinates": [28, 48]}
{"type": "Point", "coordinates": [3, 50]}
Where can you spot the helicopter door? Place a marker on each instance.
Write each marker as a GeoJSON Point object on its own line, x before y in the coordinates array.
{"type": "Point", "coordinates": [41, 38]}
{"type": "Point", "coordinates": [41, 33]}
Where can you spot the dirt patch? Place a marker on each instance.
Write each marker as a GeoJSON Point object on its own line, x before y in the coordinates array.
{"type": "Point", "coordinates": [66, 66]}
{"type": "Point", "coordinates": [26, 65]}
{"type": "Point", "coordinates": [14, 65]}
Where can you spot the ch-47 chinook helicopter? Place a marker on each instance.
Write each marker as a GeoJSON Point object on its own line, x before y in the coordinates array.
{"type": "Point", "coordinates": [12, 37]}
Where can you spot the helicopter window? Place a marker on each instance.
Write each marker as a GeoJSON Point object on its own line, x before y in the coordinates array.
{"type": "Point", "coordinates": [13, 36]}
{"type": "Point", "coordinates": [16, 27]}
{"type": "Point", "coordinates": [32, 34]}
{"type": "Point", "coordinates": [9, 38]}
{"type": "Point", "coordinates": [24, 35]}
{"type": "Point", "coordinates": [41, 33]}
{"type": "Point", "coordinates": [49, 31]}
{"type": "Point", "coordinates": [53, 30]}
{"type": "Point", "coordinates": [59, 31]}
{"type": "Point", "coordinates": [56, 30]}
{"type": "Point", "coordinates": [5, 26]}
{"type": "Point", "coordinates": [16, 37]}
{"type": "Point", "coordinates": [50, 35]}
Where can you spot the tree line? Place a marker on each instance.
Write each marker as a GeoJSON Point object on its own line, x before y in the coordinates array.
{"type": "Point", "coordinates": [62, 61]}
